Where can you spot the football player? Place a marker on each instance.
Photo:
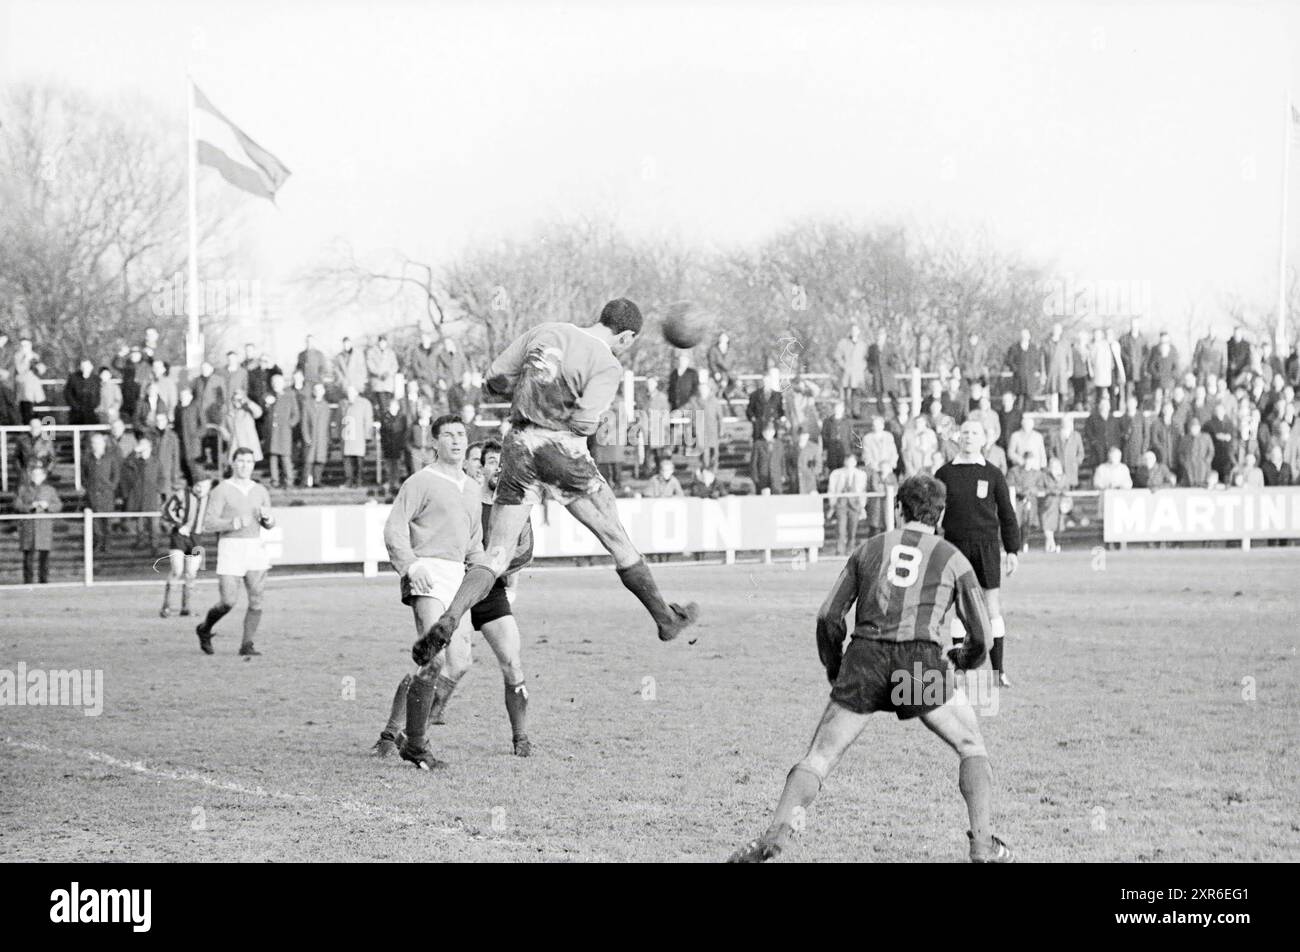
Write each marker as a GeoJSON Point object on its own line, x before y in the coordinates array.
{"type": "Point", "coordinates": [903, 582]}
{"type": "Point", "coordinates": [979, 516]}
{"type": "Point", "coordinates": [184, 513]}
{"type": "Point", "coordinates": [560, 379]}
{"type": "Point", "coordinates": [433, 530]}
{"type": "Point", "coordinates": [494, 618]}
{"type": "Point", "coordinates": [239, 509]}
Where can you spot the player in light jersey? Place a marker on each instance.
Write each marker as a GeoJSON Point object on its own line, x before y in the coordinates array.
{"type": "Point", "coordinates": [561, 378]}
{"type": "Point", "coordinates": [495, 619]}
{"type": "Point", "coordinates": [239, 509]}
{"type": "Point", "coordinates": [903, 582]}
{"type": "Point", "coordinates": [434, 528]}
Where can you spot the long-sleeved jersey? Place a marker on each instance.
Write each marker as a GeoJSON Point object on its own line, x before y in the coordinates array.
{"type": "Point", "coordinates": [561, 378]}
{"type": "Point", "coordinates": [435, 516]}
{"type": "Point", "coordinates": [903, 582]}
{"type": "Point", "coordinates": [228, 502]}
{"type": "Point", "coordinates": [979, 504]}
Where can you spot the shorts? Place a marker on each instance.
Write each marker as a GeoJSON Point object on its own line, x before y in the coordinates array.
{"type": "Point", "coordinates": [909, 678]}
{"type": "Point", "coordinates": [495, 605]}
{"type": "Point", "coordinates": [186, 545]}
{"type": "Point", "coordinates": [985, 558]}
{"type": "Point", "coordinates": [447, 576]}
{"type": "Point", "coordinates": [238, 557]}
{"type": "Point", "coordinates": [534, 458]}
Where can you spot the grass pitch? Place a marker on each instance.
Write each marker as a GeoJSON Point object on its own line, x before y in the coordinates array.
{"type": "Point", "coordinates": [1130, 733]}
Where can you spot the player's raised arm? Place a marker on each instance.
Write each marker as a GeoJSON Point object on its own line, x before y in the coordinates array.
{"type": "Point", "coordinates": [505, 369]}
{"type": "Point", "coordinates": [397, 529]}
{"type": "Point", "coordinates": [830, 619]}
{"type": "Point", "coordinates": [974, 615]}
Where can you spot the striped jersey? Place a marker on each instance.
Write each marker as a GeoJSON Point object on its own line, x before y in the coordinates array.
{"type": "Point", "coordinates": [186, 510]}
{"type": "Point", "coordinates": [903, 582]}
{"type": "Point", "coordinates": [561, 376]}
{"type": "Point", "coordinates": [435, 516]}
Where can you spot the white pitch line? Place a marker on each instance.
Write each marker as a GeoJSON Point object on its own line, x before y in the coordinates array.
{"type": "Point", "coordinates": [231, 786]}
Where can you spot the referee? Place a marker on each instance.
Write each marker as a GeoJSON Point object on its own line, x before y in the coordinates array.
{"type": "Point", "coordinates": [978, 520]}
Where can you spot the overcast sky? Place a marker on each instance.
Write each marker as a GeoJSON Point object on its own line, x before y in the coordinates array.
{"type": "Point", "coordinates": [1121, 142]}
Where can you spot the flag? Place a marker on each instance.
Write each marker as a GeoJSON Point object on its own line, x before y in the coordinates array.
{"type": "Point", "coordinates": [243, 163]}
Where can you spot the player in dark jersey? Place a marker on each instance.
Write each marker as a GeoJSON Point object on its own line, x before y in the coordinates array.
{"type": "Point", "coordinates": [183, 513]}
{"type": "Point", "coordinates": [560, 379]}
{"type": "Point", "coordinates": [493, 617]}
{"type": "Point", "coordinates": [981, 522]}
{"type": "Point", "coordinates": [903, 582]}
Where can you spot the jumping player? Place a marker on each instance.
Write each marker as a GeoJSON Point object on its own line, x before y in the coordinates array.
{"type": "Point", "coordinates": [239, 509]}
{"type": "Point", "coordinates": [434, 528]}
{"type": "Point", "coordinates": [184, 513]}
{"type": "Point", "coordinates": [560, 378]}
{"type": "Point", "coordinates": [494, 618]}
{"type": "Point", "coordinates": [979, 511]}
{"type": "Point", "coordinates": [903, 582]}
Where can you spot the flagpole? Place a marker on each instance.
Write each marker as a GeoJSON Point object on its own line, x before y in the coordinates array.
{"type": "Point", "coordinates": [1287, 120]}
{"type": "Point", "coordinates": [193, 338]}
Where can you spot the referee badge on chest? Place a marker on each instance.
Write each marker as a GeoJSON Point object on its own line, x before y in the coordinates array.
{"type": "Point", "coordinates": [981, 489]}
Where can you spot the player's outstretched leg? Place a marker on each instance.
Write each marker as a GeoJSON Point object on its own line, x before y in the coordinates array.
{"type": "Point", "coordinates": [598, 511]}
{"type": "Point", "coordinates": [955, 722]}
{"type": "Point", "coordinates": [838, 729]}
{"type": "Point", "coordinates": [391, 736]}
{"type": "Point", "coordinates": [504, 526]}
{"type": "Point", "coordinates": [502, 635]}
{"type": "Point", "coordinates": [255, 583]}
{"type": "Point", "coordinates": [227, 593]}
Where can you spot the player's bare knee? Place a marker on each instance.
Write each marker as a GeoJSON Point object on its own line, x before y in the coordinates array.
{"type": "Point", "coordinates": [512, 669]}
{"type": "Point", "coordinates": [969, 745]}
{"type": "Point", "coordinates": [816, 762]}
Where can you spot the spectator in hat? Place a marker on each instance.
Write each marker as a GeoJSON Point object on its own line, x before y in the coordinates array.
{"type": "Point", "coordinates": [1195, 457]}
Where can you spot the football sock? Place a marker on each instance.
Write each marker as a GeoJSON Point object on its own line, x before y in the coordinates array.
{"type": "Point", "coordinates": [252, 618]}
{"type": "Point", "coordinates": [517, 708]}
{"type": "Point", "coordinates": [443, 687]}
{"type": "Point", "coordinates": [214, 615]}
{"type": "Point", "coordinates": [801, 788]}
{"type": "Point", "coordinates": [419, 698]}
{"type": "Point", "coordinates": [975, 780]}
{"type": "Point", "coordinates": [478, 581]}
{"type": "Point", "coordinates": [637, 579]}
{"type": "Point", "coordinates": [999, 631]}
{"type": "Point", "coordinates": [167, 595]}
{"type": "Point", "coordinates": [185, 596]}
{"type": "Point", "coordinates": [397, 713]}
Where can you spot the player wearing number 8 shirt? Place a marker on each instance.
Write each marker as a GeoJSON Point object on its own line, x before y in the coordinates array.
{"type": "Point", "coordinates": [979, 517]}
{"type": "Point", "coordinates": [903, 582]}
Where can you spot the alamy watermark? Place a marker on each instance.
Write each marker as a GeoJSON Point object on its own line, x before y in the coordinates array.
{"type": "Point", "coordinates": [1105, 297]}
{"type": "Point", "coordinates": [217, 298]}
{"type": "Point", "coordinates": [36, 687]}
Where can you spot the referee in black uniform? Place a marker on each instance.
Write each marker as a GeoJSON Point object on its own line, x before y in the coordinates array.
{"type": "Point", "coordinates": [981, 522]}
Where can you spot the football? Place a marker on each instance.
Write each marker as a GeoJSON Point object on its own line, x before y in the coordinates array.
{"type": "Point", "coordinates": [686, 324]}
